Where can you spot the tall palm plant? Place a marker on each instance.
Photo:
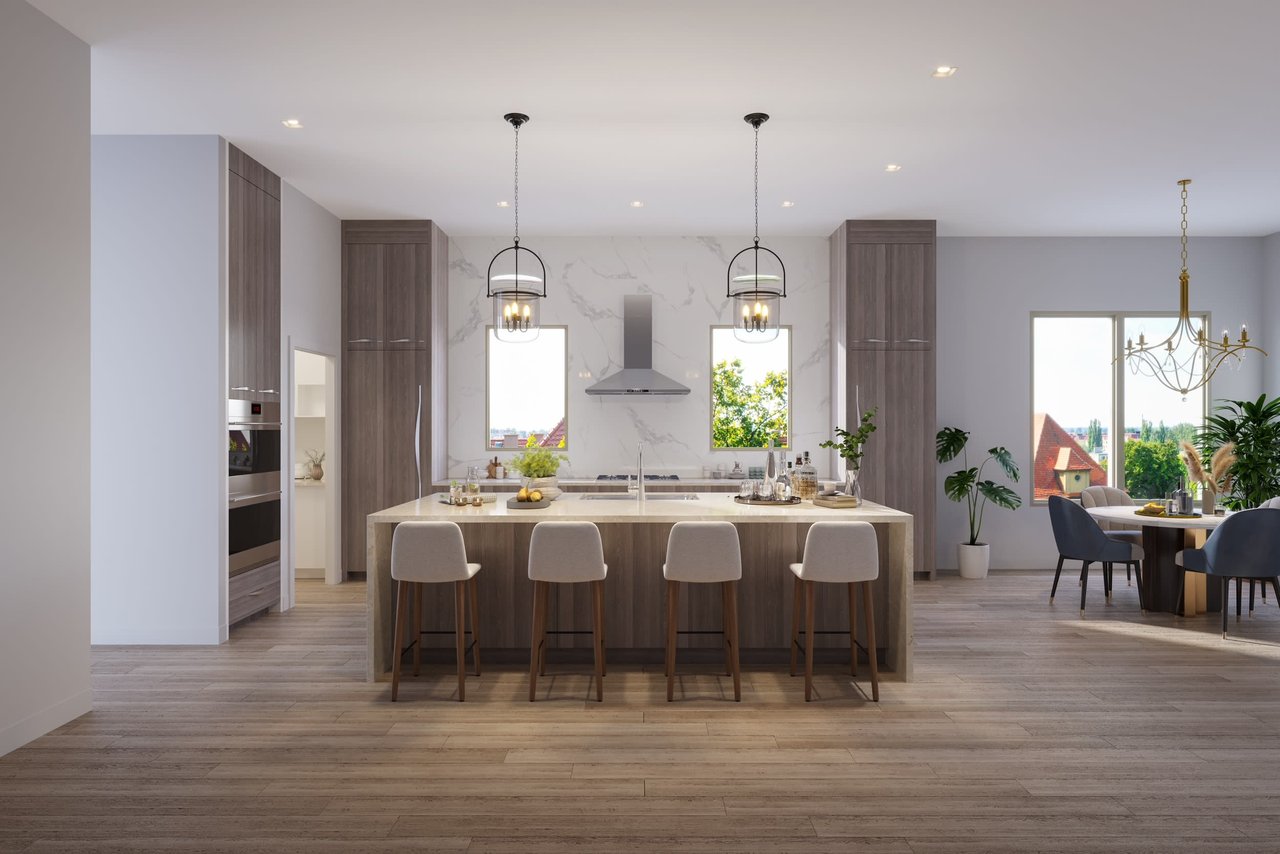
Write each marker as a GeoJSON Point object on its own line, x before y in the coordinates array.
{"type": "Point", "coordinates": [1254, 428]}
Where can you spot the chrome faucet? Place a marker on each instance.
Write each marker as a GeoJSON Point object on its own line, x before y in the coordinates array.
{"type": "Point", "coordinates": [640, 471]}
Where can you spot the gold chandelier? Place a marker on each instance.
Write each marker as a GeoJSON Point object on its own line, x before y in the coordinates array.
{"type": "Point", "coordinates": [1189, 357]}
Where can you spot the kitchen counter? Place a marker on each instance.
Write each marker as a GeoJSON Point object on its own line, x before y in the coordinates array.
{"type": "Point", "coordinates": [635, 537]}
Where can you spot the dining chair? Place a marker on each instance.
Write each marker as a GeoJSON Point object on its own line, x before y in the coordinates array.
{"type": "Point", "coordinates": [1079, 537]}
{"type": "Point", "coordinates": [1243, 546]}
{"type": "Point", "coordinates": [1110, 496]}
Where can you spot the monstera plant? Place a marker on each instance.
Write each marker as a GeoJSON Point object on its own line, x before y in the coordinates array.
{"type": "Point", "coordinates": [968, 486]}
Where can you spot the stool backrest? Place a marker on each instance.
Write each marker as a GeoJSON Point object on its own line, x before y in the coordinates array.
{"type": "Point", "coordinates": [1245, 545]}
{"type": "Point", "coordinates": [841, 552]}
{"type": "Point", "coordinates": [707, 550]}
{"type": "Point", "coordinates": [428, 552]}
{"type": "Point", "coordinates": [1271, 504]}
{"type": "Point", "coordinates": [566, 552]}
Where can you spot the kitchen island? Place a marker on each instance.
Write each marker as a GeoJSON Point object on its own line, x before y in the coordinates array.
{"type": "Point", "coordinates": [635, 541]}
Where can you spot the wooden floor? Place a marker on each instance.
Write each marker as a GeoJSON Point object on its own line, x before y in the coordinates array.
{"type": "Point", "coordinates": [1027, 729]}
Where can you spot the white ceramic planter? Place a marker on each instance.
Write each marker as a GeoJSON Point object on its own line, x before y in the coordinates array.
{"type": "Point", "coordinates": [974, 560]}
{"type": "Point", "coordinates": [548, 486]}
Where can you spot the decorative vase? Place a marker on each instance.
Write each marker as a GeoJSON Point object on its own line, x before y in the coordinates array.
{"type": "Point", "coordinates": [1208, 502]}
{"type": "Point", "coordinates": [853, 485]}
{"type": "Point", "coordinates": [974, 560]}
{"type": "Point", "coordinates": [317, 473]}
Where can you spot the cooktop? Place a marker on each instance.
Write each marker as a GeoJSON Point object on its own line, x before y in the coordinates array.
{"type": "Point", "coordinates": [623, 477]}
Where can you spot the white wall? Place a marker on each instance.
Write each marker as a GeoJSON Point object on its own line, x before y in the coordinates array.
{"type": "Point", "coordinates": [1271, 313]}
{"type": "Point", "coordinates": [987, 290]}
{"type": "Point", "coordinates": [158, 467]}
{"type": "Point", "coordinates": [44, 347]}
{"type": "Point", "coordinates": [310, 319]}
{"type": "Point", "coordinates": [587, 278]}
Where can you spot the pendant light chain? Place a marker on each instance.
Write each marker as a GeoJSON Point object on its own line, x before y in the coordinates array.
{"type": "Point", "coordinates": [757, 185]}
{"type": "Point", "coordinates": [517, 185]}
{"type": "Point", "coordinates": [1184, 226]}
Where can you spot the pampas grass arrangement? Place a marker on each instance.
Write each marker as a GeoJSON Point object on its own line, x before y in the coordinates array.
{"type": "Point", "coordinates": [1216, 480]}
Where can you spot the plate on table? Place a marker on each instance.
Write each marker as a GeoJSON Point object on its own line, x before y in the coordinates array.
{"type": "Point", "coordinates": [1163, 515]}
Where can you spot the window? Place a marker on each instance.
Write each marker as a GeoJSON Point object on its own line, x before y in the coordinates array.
{"type": "Point", "coordinates": [526, 389]}
{"type": "Point", "coordinates": [750, 391]}
{"type": "Point", "coordinates": [1094, 421]}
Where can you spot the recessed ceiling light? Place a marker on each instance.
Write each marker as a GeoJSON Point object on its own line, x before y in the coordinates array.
{"type": "Point", "coordinates": [893, 167]}
{"type": "Point", "coordinates": [504, 204]}
{"type": "Point", "coordinates": [637, 204]}
{"type": "Point", "coordinates": [788, 204]}
{"type": "Point", "coordinates": [944, 71]}
{"type": "Point", "coordinates": [292, 124]}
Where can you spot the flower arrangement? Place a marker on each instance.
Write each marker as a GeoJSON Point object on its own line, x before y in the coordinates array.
{"type": "Point", "coordinates": [537, 462]}
{"type": "Point", "coordinates": [849, 445]}
{"type": "Point", "coordinates": [315, 456]}
{"type": "Point", "coordinates": [1217, 479]}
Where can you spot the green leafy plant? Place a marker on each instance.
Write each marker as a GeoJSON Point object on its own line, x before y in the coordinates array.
{"type": "Point", "coordinates": [1152, 469]}
{"type": "Point", "coordinates": [1254, 427]}
{"type": "Point", "coordinates": [849, 445]}
{"type": "Point", "coordinates": [537, 462]}
{"type": "Point", "coordinates": [967, 484]}
{"type": "Point", "coordinates": [747, 415]}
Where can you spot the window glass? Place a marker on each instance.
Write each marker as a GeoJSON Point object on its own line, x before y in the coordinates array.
{"type": "Point", "coordinates": [1072, 404]}
{"type": "Point", "coordinates": [750, 391]}
{"type": "Point", "coordinates": [526, 391]}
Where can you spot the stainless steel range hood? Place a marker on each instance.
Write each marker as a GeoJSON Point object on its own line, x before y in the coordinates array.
{"type": "Point", "coordinates": [637, 375]}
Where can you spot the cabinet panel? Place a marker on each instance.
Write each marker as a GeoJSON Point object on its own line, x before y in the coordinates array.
{"type": "Point", "coordinates": [239, 193]}
{"type": "Point", "coordinates": [403, 407]}
{"type": "Point", "coordinates": [362, 296]}
{"type": "Point", "coordinates": [406, 295]}
{"type": "Point", "coordinates": [362, 452]}
{"type": "Point", "coordinates": [867, 306]}
{"type": "Point", "coordinates": [253, 291]}
{"type": "Point", "coordinates": [269, 298]}
{"type": "Point", "coordinates": [911, 299]}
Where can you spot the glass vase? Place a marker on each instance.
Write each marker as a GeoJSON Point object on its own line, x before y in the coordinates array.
{"type": "Point", "coordinates": [853, 485]}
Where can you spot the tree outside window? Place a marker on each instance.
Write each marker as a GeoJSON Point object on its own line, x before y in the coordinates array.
{"type": "Point", "coordinates": [750, 391]}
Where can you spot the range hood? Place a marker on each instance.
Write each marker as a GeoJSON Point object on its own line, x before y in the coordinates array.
{"type": "Point", "coordinates": [637, 375]}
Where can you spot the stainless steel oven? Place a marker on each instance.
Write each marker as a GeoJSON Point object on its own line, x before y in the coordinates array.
{"type": "Point", "coordinates": [253, 484]}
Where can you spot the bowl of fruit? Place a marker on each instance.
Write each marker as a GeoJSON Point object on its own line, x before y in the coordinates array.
{"type": "Point", "coordinates": [528, 499]}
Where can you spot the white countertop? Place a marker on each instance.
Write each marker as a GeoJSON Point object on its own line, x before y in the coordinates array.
{"type": "Point", "coordinates": [577, 507]}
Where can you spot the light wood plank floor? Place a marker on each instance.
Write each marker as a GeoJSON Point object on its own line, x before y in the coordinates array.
{"type": "Point", "coordinates": [1028, 730]}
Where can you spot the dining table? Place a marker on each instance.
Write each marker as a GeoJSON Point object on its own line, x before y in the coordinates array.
{"type": "Point", "coordinates": [1164, 586]}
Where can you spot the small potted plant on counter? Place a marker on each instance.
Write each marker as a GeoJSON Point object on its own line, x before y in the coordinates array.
{"type": "Point", "coordinates": [849, 447]}
{"type": "Point", "coordinates": [315, 456]}
{"type": "Point", "coordinates": [968, 486]}
{"type": "Point", "coordinates": [538, 467]}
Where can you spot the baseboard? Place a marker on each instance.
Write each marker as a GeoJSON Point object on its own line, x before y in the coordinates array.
{"type": "Point", "coordinates": [33, 726]}
{"type": "Point", "coordinates": [309, 572]}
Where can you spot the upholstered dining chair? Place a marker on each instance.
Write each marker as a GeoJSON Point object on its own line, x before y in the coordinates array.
{"type": "Point", "coordinates": [1243, 546]}
{"type": "Point", "coordinates": [1080, 538]}
{"type": "Point", "coordinates": [1110, 496]}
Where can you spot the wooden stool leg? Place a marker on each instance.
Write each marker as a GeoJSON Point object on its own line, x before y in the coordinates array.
{"type": "Point", "coordinates": [475, 624]}
{"type": "Point", "coordinates": [543, 644]}
{"type": "Point", "coordinates": [420, 591]}
{"type": "Point", "coordinates": [734, 664]}
{"type": "Point", "coordinates": [536, 638]}
{"type": "Point", "coordinates": [597, 635]}
{"type": "Point", "coordinates": [870, 615]}
{"type": "Point", "coordinates": [797, 599]}
{"type": "Point", "coordinates": [724, 624]}
{"type": "Point", "coordinates": [673, 593]}
{"type": "Point", "coordinates": [460, 634]}
{"type": "Point", "coordinates": [808, 641]}
{"type": "Point", "coordinates": [397, 652]}
{"type": "Point", "coordinates": [853, 630]}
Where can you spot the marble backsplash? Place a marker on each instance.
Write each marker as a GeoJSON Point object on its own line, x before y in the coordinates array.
{"type": "Point", "coordinates": [586, 279]}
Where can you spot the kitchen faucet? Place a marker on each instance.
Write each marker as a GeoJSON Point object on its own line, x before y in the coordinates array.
{"type": "Point", "coordinates": [640, 471]}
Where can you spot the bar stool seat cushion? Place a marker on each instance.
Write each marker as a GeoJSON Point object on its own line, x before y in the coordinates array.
{"type": "Point", "coordinates": [840, 552]}
{"type": "Point", "coordinates": [566, 552]}
{"type": "Point", "coordinates": [703, 552]}
{"type": "Point", "coordinates": [430, 553]}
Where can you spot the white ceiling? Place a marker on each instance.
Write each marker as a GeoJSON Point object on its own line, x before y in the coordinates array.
{"type": "Point", "coordinates": [1067, 118]}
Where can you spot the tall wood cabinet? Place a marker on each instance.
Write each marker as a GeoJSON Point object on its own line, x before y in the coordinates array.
{"type": "Point", "coordinates": [253, 279]}
{"type": "Point", "coordinates": [883, 297]}
{"type": "Point", "coordinates": [394, 370]}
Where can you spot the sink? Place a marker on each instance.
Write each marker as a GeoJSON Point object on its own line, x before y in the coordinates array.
{"type": "Point", "coordinates": [651, 496]}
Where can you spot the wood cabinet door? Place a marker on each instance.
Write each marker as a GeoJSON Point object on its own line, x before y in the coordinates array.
{"type": "Point", "coordinates": [406, 295]}
{"type": "Point", "coordinates": [268, 301]}
{"type": "Point", "coordinates": [239, 193]}
{"type": "Point", "coordinates": [911, 295]}
{"type": "Point", "coordinates": [867, 307]}
{"type": "Point", "coordinates": [362, 295]}
{"type": "Point", "coordinates": [403, 408]}
{"type": "Point", "coordinates": [362, 451]}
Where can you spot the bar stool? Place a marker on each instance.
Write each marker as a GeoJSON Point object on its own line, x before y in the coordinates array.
{"type": "Point", "coordinates": [704, 553]}
{"type": "Point", "coordinates": [840, 553]}
{"type": "Point", "coordinates": [432, 553]}
{"type": "Point", "coordinates": [565, 553]}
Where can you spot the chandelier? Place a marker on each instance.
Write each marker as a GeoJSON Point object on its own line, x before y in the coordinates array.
{"type": "Point", "coordinates": [1189, 357]}
{"type": "Point", "coordinates": [516, 296]}
{"type": "Point", "coordinates": [757, 296]}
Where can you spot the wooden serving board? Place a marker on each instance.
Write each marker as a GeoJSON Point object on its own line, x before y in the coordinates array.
{"type": "Point", "coordinates": [515, 504]}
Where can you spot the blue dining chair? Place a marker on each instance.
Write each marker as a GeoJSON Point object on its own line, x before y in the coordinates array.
{"type": "Point", "coordinates": [1243, 546]}
{"type": "Point", "coordinates": [1079, 537]}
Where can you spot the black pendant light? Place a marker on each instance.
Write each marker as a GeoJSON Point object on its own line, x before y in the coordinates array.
{"type": "Point", "coordinates": [760, 285]}
{"type": "Point", "coordinates": [517, 296]}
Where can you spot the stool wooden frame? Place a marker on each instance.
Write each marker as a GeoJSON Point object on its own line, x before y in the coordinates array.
{"type": "Point", "coordinates": [803, 598]}
{"type": "Point", "coordinates": [729, 604]}
{"type": "Point", "coordinates": [407, 601]}
{"type": "Point", "coordinates": [538, 643]}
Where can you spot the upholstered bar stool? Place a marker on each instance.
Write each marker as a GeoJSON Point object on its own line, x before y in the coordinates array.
{"type": "Point", "coordinates": [704, 553]}
{"type": "Point", "coordinates": [425, 553]}
{"type": "Point", "coordinates": [836, 553]}
{"type": "Point", "coordinates": [565, 553]}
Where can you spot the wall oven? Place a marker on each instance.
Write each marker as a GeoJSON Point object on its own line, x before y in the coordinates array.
{"type": "Point", "coordinates": [253, 484]}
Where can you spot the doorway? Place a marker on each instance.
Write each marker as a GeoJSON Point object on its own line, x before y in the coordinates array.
{"type": "Point", "coordinates": [313, 447]}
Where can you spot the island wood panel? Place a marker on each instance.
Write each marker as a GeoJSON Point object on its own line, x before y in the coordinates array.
{"type": "Point", "coordinates": [635, 595]}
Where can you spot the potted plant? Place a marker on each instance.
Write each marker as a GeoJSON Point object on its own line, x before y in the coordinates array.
{"type": "Point", "coordinates": [849, 447]}
{"type": "Point", "coordinates": [538, 466]}
{"type": "Point", "coordinates": [315, 456]}
{"type": "Point", "coordinates": [968, 486]}
{"type": "Point", "coordinates": [1253, 426]}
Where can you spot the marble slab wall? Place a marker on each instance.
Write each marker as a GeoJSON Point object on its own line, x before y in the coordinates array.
{"type": "Point", "coordinates": [586, 279]}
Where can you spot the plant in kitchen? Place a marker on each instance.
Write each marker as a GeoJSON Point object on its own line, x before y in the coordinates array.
{"type": "Point", "coordinates": [849, 445]}
{"type": "Point", "coordinates": [967, 485]}
{"type": "Point", "coordinates": [537, 462]}
{"type": "Point", "coordinates": [745, 414]}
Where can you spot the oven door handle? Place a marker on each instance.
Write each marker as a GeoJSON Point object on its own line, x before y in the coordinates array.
{"type": "Point", "coordinates": [256, 498]}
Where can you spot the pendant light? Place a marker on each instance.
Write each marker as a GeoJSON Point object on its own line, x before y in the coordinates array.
{"type": "Point", "coordinates": [1189, 357]}
{"type": "Point", "coordinates": [516, 296]}
{"type": "Point", "coordinates": [760, 285]}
